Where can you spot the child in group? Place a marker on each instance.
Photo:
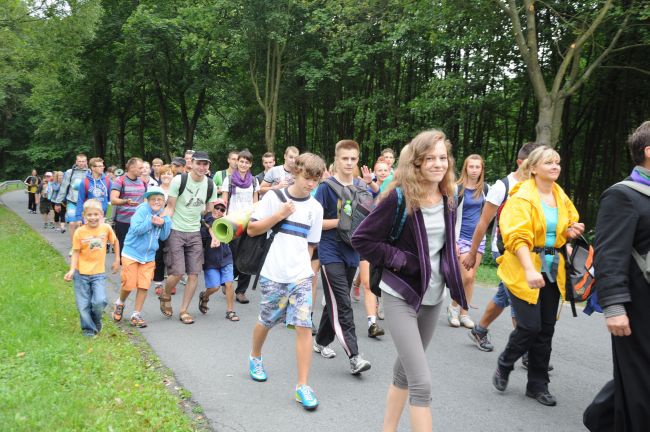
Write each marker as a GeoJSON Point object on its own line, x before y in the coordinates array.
{"type": "Point", "coordinates": [217, 263]}
{"type": "Point", "coordinates": [87, 267]}
{"type": "Point", "coordinates": [139, 254]}
{"type": "Point", "coordinates": [286, 278]}
{"type": "Point", "coordinates": [44, 205]}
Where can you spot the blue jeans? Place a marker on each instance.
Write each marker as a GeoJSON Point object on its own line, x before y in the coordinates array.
{"type": "Point", "coordinates": [90, 295]}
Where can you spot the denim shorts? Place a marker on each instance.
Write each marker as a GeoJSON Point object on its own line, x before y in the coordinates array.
{"type": "Point", "coordinates": [214, 278]}
{"type": "Point", "coordinates": [290, 302]}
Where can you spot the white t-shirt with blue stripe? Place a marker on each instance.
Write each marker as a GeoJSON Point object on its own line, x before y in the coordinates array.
{"type": "Point", "coordinates": [288, 260]}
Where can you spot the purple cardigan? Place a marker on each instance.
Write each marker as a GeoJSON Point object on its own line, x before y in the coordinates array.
{"type": "Point", "coordinates": [407, 267]}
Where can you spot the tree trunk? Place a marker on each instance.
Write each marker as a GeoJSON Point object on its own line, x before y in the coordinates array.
{"type": "Point", "coordinates": [142, 122]}
{"type": "Point", "coordinates": [121, 134]}
{"type": "Point", "coordinates": [162, 110]}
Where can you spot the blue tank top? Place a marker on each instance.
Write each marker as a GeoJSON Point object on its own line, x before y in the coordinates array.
{"type": "Point", "coordinates": [550, 214]}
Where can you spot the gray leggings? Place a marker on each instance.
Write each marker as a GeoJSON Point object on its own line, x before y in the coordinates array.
{"type": "Point", "coordinates": [411, 333]}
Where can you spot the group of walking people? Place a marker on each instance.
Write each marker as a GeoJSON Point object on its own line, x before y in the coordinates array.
{"type": "Point", "coordinates": [422, 239]}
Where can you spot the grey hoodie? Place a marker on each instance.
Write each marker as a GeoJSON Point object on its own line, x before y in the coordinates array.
{"type": "Point", "coordinates": [70, 185]}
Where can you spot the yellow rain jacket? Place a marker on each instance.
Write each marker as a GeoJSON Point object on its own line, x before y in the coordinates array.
{"type": "Point", "coordinates": [522, 223]}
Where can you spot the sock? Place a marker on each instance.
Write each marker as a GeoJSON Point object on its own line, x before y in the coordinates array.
{"type": "Point", "coordinates": [371, 320]}
{"type": "Point", "coordinates": [480, 329]}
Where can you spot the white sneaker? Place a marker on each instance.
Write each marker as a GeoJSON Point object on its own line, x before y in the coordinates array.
{"type": "Point", "coordinates": [325, 351]}
{"type": "Point", "coordinates": [466, 321]}
{"type": "Point", "coordinates": [453, 314]}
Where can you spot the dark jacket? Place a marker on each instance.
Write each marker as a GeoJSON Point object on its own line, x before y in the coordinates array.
{"type": "Point", "coordinates": [407, 267]}
{"type": "Point", "coordinates": [623, 223]}
{"type": "Point", "coordinates": [214, 258]}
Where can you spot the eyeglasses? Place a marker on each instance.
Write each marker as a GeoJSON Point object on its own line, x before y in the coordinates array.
{"type": "Point", "coordinates": [98, 166]}
{"type": "Point", "coordinates": [221, 209]}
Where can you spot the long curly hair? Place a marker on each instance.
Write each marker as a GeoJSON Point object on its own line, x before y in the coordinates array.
{"type": "Point", "coordinates": [408, 176]}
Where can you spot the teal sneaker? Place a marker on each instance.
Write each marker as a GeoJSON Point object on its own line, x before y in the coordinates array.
{"type": "Point", "coordinates": [306, 397]}
{"type": "Point", "coordinates": [256, 368]}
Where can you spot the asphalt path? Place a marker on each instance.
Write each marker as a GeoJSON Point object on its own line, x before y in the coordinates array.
{"type": "Point", "coordinates": [210, 359]}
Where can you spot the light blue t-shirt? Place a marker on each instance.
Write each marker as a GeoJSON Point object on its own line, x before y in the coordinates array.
{"type": "Point", "coordinates": [550, 214]}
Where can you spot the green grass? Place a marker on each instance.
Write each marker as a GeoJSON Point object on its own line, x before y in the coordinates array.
{"type": "Point", "coordinates": [51, 377]}
{"type": "Point", "coordinates": [487, 272]}
{"type": "Point", "coordinates": [12, 187]}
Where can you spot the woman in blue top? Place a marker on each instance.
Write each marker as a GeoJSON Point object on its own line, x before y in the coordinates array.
{"type": "Point", "coordinates": [470, 192]}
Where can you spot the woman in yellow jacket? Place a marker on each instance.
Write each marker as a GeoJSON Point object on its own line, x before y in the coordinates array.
{"type": "Point", "coordinates": [537, 220]}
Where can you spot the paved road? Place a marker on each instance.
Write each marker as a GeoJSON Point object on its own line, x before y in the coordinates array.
{"type": "Point", "coordinates": [210, 359]}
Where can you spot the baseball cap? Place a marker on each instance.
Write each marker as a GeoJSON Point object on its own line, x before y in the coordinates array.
{"type": "Point", "coordinates": [219, 201]}
{"type": "Point", "coordinates": [201, 156]}
{"type": "Point", "coordinates": [48, 174]}
{"type": "Point", "coordinates": [153, 190]}
{"type": "Point", "coordinates": [178, 161]}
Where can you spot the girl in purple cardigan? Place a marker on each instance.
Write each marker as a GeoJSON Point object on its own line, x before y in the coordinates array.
{"type": "Point", "coordinates": [417, 267]}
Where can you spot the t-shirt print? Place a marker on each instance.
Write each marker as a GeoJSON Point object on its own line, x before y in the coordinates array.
{"type": "Point", "coordinates": [96, 242]}
{"type": "Point", "coordinates": [195, 200]}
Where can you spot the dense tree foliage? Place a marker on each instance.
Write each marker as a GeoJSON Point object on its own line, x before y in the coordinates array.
{"type": "Point", "coordinates": [118, 78]}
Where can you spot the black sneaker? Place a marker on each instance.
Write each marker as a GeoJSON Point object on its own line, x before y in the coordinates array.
{"type": "Point", "coordinates": [500, 379]}
{"type": "Point", "coordinates": [524, 363]}
{"type": "Point", "coordinates": [374, 330]}
{"type": "Point", "coordinates": [481, 340]}
{"type": "Point", "coordinates": [544, 397]}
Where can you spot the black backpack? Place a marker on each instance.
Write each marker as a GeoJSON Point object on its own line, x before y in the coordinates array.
{"type": "Point", "coordinates": [251, 251]}
{"type": "Point", "coordinates": [181, 188]}
{"type": "Point", "coordinates": [356, 204]}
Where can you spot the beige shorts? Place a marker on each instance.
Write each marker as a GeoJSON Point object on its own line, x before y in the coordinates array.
{"type": "Point", "coordinates": [136, 275]}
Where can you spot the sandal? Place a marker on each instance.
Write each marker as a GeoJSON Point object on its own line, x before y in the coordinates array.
{"type": "Point", "coordinates": [166, 305]}
{"type": "Point", "coordinates": [118, 310]}
{"type": "Point", "coordinates": [159, 289]}
{"type": "Point", "coordinates": [186, 318]}
{"type": "Point", "coordinates": [232, 316]}
{"type": "Point", "coordinates": [203, 303]}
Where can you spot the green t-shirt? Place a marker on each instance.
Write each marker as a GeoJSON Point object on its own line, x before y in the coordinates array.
{"type": "Point", "coordinates": [219, 176]}
{"type": "Point", "coordinates": [191, 205]}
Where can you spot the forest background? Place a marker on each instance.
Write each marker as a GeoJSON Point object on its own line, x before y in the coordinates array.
{"type": "Point", "coordinates": [150, 78]}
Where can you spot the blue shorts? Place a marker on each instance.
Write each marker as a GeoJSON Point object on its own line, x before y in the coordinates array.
{"type": "Point", "coordinates": [71, 212]}
{"type": "Point", "coordinates": [502, 298]}
{"type": "Point", "coordinates": [284, 301]}
{"type": "Point", "coordinates": [214, 278]}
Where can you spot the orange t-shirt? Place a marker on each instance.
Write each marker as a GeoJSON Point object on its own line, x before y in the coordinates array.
{"type": "Point", "coordinates": [91, 244]}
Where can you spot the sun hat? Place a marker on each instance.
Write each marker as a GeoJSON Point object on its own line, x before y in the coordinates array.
{"type": "Point", "coordinates": [153, 190]}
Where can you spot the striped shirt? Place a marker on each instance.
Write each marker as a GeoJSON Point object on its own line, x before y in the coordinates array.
{"type": "Point", "coordinates": [129, 189]}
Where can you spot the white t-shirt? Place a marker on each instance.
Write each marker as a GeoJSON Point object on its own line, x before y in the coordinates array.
{"type": "Point", "coordinates": [496, 195]}
{"type": "Point", "coordinates": [288, 260]}
{"type": "Point", "coordinates": [242, 199]}
{"type": "Point", "coordinates": [276, 174]}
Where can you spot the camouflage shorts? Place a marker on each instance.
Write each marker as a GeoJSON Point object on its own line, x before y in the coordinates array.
{"type": "Point", "coordinates": [290, 302]}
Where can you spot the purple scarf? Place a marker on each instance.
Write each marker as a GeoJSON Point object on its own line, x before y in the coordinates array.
{"type": "Point", "coordinates": [641, 175]}
{"type": "Point", "coordinates": [236, 181]}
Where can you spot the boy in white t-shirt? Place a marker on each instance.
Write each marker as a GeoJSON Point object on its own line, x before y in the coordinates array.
{"type": "Point", "coordinates": [285, 278]}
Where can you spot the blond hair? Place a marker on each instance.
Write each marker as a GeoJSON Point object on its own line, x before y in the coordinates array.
{"type": "Point", "coordinates": [539, 155]}
{"type": "Point", "coordinates": [409, 177]}
{"type": "Point", "coordinates": [464, 177]}
{"type": "Point", "coordinates": [93, 204]}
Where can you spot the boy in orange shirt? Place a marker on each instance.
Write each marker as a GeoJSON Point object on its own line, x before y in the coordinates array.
{"type": "Point", "coordinates": [87, 266]}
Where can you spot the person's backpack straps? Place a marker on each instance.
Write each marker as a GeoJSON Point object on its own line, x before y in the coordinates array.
{"type": "Point", "coordinates": [183, 184]}
{"type": "Point", "coordinates": [181, 188]}
{"type": "Point", "coordinates": [86, 186]}
{"type": "Point", "coordinates": [274, 230]}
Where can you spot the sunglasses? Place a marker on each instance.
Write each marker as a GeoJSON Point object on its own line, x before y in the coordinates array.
{"type": "Point", "coordinates": [220, 208]}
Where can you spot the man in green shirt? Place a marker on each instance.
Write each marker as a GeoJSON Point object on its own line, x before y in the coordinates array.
{"type": "Point", "coordinates": [184, 249]}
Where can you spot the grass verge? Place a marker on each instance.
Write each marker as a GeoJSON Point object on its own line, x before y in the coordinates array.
{"type": "Point", "coordinates": [52, 378]}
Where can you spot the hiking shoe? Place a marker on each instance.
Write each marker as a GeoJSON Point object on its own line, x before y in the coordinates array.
{"type": "Point", "coordinates": [358, 364]}
{"type": "Point", "coordinates": [356, 293]}
{"type": "Point", "coordinates": [241, 298]}
{"type": "Point", "coordinates": [466, 321]}
{"type": "Point", "coordinates": [453, 315]}
{"type": "Point", "coordinates": [325, 351]}
{"type": "Point", "coordinates": [544, 397]}
{"type": "Point", "coordinates": [481, 340]}
{"type": "Point", "coordinates": [374, 330]}
{"type": "Point", "coordinates": [256, 368]}
{"type": "Point", "coordinates": [524, 363]}
{"type": "Point", "coordinates": [500, 379]}
{"type": "Point", "coordinates": [306, 397]}
{"type": "Point", "coordinates": [137, 321]}
{"type": "Point", "coordinates": [118, 310]}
